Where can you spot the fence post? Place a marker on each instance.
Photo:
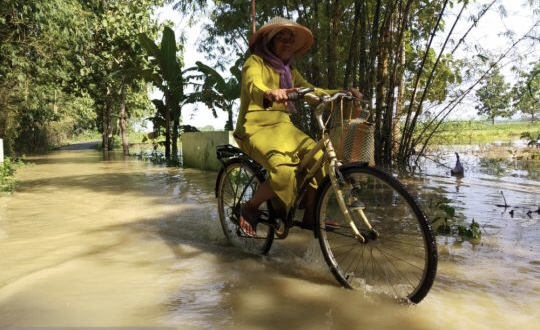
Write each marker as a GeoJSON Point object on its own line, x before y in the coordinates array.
{"type": "Point", "coordinates": [1, 150]}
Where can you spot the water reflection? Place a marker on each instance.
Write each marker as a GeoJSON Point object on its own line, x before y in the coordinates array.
{"type": "Point", "coordinates": [92, 242]}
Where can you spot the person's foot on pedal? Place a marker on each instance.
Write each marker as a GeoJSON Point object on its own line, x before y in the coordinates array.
{"type": "Point", "coordinates": [248, 221]}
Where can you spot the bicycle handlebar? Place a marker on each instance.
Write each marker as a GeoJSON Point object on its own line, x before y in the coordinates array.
{"type": "Point", "coordinates": [338, 95]}
{"type": "Point", "coordinates": [301, 93]}
{"type": "Point", "coordinates": [323, 101]}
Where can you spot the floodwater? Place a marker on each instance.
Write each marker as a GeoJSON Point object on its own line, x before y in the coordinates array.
{"type": "Point", "coordinates": [88, 242]}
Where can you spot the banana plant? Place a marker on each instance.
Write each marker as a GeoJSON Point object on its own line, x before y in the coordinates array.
{"type": "Point", "coordinates": [165, 73]}
{"type": "Point", "coordinates": [212, 89]}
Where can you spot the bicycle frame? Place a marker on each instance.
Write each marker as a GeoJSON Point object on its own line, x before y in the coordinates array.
{"type": "Point", "coordinates": [325, 144]}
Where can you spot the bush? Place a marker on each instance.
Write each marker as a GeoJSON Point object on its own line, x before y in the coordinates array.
{"type": "Point", "coordinates": [7, 176]}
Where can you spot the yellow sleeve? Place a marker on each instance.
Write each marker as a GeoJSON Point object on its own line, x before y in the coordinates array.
{"type": "Point", "coordinates": [253, 79]}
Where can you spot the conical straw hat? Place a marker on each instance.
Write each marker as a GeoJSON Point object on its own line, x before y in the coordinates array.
{"type": "Point", "coordinates": [303, 38]}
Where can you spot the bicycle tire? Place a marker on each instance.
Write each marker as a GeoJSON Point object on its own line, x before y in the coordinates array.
{"type": "Point", "coordinates": [402, 260]}
{"type": "Point", "coordinates": [236, 183]}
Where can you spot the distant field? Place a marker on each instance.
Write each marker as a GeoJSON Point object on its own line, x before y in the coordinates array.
{"type": "Point", "coordinates": [452, 132]}
{"type": "Point", "coordinates": [470, 132]}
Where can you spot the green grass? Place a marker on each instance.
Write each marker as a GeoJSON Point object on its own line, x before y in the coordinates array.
{"type": "Point", "coordinates": [472, 132]}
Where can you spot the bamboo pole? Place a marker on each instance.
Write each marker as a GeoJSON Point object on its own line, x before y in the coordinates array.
{"type": "Point", "coordinates": [253, 23]}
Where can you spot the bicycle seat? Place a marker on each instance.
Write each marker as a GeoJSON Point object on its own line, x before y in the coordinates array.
{"type": "Point", "coordinates": [228, 151]}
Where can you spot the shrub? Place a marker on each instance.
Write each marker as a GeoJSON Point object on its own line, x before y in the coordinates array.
{"type": "Point", "coordinates": [7, 175]}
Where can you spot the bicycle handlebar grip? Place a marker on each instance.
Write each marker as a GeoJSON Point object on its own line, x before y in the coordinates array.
{"type": "Point", "coordinates": [293, 96]}
{"type": "Point", "coordinates": [299, 93]}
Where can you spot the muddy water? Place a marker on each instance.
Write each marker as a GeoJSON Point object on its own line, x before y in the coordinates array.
{"type": "Point", "coordinates": [92, 242]}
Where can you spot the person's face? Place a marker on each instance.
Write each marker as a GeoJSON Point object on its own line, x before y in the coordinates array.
{"type": "Point", "coordinates": [282, 45]}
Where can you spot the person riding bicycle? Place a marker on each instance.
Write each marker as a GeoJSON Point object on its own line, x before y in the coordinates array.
{"type": "Point", "coordinates": [264, 130]}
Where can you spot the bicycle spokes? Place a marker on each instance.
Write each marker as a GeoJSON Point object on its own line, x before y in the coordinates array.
{"type": "Point", "coordinates": [397, 256]}
{"type": "Point", "coordinates": [236, 185]}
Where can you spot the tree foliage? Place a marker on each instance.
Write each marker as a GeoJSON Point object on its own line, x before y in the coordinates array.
{"type": "Point", "coordinates": [64, 68]}
{"type": "Point", "coordinates": [494, 97]}
{"type": "Point", "coordinates": [35, 69]}
{"type": "Point", "coordinates": [526, 93]}
{"type": "Point", "coordinates": [113, 59]}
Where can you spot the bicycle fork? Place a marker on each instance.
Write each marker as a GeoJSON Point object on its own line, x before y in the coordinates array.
{"type": "Point", "coordinates": [356, 207]}
{"type": "Point", "coordinates": [341, 201]}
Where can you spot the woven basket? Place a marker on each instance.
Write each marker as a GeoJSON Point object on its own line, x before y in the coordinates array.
{"type": "Point", "coordinates": [353, 139]}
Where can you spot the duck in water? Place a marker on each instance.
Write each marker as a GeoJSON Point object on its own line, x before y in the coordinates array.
{"type": "Point", "coordinates": [458, 169]}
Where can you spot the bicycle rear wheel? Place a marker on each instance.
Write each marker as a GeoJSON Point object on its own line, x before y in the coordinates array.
{"type": "Point", "coordinates": [399, 257]}
{"type": "Point", "coordinates": [236, 183]}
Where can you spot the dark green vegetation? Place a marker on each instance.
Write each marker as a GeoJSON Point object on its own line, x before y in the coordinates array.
{"type": "Point", "coordinates": [445, 220]}
{"type": "Point", "coordinates": [67, 66]}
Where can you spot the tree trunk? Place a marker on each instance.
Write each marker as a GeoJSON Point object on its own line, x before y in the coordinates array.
{"type": "Point", "coordinates": [352, 60]}
{"type": "Point", "coordinates": [176, 125]}
{"type": "Point", "coordinates": [122, 118]}
{"type": "Point", "coordinates": [333, 27]}
{"type": "Point", "coordinates": [396, 133]}
{"type": "Point", "coordinates": [400, 21]}
{"type": "Point", "coordinates": [229, 124]}
{"type": "Point", "coordinates": [371, 63]}
{"type": "Point", "coordinates": [168, 106]}
{"type": "Point", "coordinates": [362, 76]}
{"type": "Point", "coordinates": [107, 125]}
{"type": "Point", "coordinates": [384, 117]}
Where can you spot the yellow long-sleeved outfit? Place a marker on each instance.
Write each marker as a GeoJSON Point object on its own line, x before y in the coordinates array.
{"type": "Point", "coordinates": [268, 135]}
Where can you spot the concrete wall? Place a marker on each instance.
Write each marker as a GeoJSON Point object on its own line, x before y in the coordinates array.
{"type": "Point", "coordinates": [199, 149]}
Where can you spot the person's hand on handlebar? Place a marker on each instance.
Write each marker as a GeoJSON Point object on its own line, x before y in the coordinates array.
{"type": "Point", "coordinates": [278, 95]}
{"type": "Point", "coordinates": [355, 92]}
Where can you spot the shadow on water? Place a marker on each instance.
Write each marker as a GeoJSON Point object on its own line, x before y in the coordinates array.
{"type": "Point", "coordinates": [131, 183]}
{"type": "Point", "coordinates": [281, 290]}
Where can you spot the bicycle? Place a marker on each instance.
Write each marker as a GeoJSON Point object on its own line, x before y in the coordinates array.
{"type": "Point", "coordinates": [383, 242]}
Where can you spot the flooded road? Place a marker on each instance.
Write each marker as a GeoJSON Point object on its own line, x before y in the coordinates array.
{"type": "Point", "coordinates": [87, 242]}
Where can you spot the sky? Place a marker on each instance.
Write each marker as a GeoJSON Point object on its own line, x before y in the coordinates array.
{"type": "Point", "coordinates": [487, 34]}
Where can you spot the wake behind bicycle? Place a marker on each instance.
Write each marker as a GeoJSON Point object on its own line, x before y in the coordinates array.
{"type": "Point", "coordinates": [380, 241]}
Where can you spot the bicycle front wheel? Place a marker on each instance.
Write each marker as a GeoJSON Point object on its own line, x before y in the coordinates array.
{"type": "Point", "coordinates": [236, 184]}
{"type": "Point", "coordinates": [399, 254]}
